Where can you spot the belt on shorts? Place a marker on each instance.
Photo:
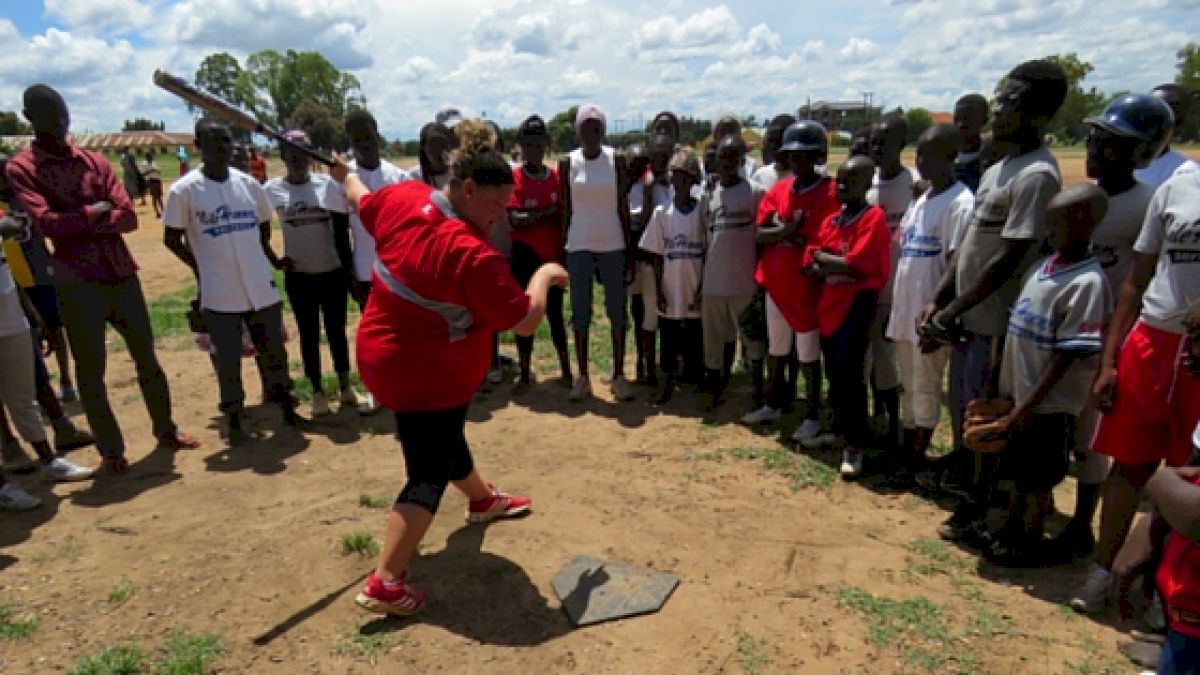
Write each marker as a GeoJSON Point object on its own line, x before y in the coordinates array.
{"type": "Point", "coordinates": [458, 318]}
{"type": "Point", "coordinates": [1183, 616]}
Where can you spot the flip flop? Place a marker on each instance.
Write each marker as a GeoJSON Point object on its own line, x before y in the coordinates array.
{"type": "Point", "coordinates": [179, 440]}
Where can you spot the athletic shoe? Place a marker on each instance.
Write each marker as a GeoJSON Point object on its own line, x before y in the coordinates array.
{"type": "Point", "coordinates": [68, 395]}
{"type": "Point", "coordinates": [13, 498]}
{"type": "Point", "coordinates": [368, 406]}
{"type": "Point", "coordinates": [764, 415]}
{"type": "Point", "coordinates": [851, 462]}
{"type": "Point", "coordinates": [807, 431]}
{"type": "Point", "coordinates": [399, 599]}
{"type": "Point", "coordinates": [67, 436]}
{"type": "Point", "coordinates": [499, 505]}
{"type": "Point", "coordinates": [964, 523]}
{"type": "Point", "coordinates": [581, 389]}
{"type": "Point", "coordinates": [114, 464]}
{"type": "Point", "coordinates": [1092, 596]}
{"type": "Point", "coordinates": [13, 457]}
{"type": "Point", "coordinates": [320, 404]}
{"type": "Point", "coordinates": [62, 470]}
{"type": "Point", "coordinates": [621, 389]}
{"type": "Point", "coordinates": [349, 397]}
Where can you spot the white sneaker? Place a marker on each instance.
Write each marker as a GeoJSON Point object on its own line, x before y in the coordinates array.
{"type": "Point", "coordinates": [808, 430]}
{"type": "Point", "coordinates": [63, 470]}
{"type": "Point", "coordinates": [764, 415]}
{"type": "Point", "coordinates": [851, 462]}
{"type": "Point", "coordinates": [1092, 596]}
{"type": "Point", "coordinates": [13, 498]}
{"type": "Point", "coordinates": [369, 405]}
{"type": "Point", "coordinates": [581, 389]}
{"type": "Point", "coordinates": [320, 405]}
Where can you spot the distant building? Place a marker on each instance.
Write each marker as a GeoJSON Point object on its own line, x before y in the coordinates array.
{"type": "Point", "coordinates": [840, 115]}
{"type": "Point", "coordinates": [159, 141]}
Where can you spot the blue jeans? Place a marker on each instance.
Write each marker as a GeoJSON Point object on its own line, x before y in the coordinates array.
{"type": "Point", "coordinates": [583, 267]}
{"type": "Point", "coordinates": [1180, 655]}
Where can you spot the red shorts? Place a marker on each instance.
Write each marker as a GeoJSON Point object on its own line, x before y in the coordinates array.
{"type": "Point", "coordinates": [1157, 402]}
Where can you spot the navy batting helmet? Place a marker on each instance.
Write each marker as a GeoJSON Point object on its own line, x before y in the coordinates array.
{"type": "Point", "coordinates": [1142, 116]}
{"type": "Point", "coordinates": [806, 136]}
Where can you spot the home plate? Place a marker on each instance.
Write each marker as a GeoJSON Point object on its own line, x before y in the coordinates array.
{"type": "Point", "coordinates": [593, 590]}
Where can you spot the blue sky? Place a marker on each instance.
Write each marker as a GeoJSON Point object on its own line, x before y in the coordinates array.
{"type": "Point", "coordinates": [513, 57]}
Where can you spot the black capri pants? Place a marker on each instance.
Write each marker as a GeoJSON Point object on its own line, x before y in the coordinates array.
{"type": "Point", "coordinates": [435, 454]}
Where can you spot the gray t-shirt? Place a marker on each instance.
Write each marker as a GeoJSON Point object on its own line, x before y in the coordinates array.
{"type": "Point", "coordinates": [893, 196]}
{"type": "Point", "coordinates": [1172, 232]}
{"type": "Point", "coordinates": [1010, 204]}
{"type": "Point", "coordinates": [729, 263]}
{"type": "Point", "coordinates": [1062, 308]}
{"type": "Point", "coordinates": [305, 215]}
{"type": "Point", "coordinates": [1112, 242]}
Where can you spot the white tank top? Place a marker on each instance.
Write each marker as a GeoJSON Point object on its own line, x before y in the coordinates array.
{"type": "Point", "coordinates": [595, 225]}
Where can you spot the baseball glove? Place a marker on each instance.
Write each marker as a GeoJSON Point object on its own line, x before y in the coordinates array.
{"type": "Point", "coordinates": [983, 429]}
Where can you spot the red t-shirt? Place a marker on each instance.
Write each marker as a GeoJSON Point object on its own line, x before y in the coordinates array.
{"type": "Point", "coordinates": [543, 235]}
{"type": "Point", "coordinates": [781, 266]}
{"type": "Point", "coordinates": [405, 354]}
{"type": "Point", "coordinates": [1179, 578]}
{"type": "Point", "coordinates": [865, 243]}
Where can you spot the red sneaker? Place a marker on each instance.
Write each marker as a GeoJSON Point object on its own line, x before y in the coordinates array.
{"type": "Point", "coordinates": [402, 599]}
{"type": "Point", "coordinates": [499, 505]}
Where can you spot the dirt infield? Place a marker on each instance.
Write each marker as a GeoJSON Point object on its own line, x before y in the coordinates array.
{"type": "Point", "coordinates": [784, 568]}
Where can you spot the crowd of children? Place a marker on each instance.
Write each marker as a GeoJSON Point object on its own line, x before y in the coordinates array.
{"type": "Point", "coordinates": [974, 277]}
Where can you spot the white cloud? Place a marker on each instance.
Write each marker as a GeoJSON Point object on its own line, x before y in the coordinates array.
{"type": "Point", "coordinates": [858, 49]}
{"type": "Point", "coordinates": [667, 38]}
{"type": "Point", "coordinates": [759, 41]}
{"type": "Point", "coordinates": [91, 15]}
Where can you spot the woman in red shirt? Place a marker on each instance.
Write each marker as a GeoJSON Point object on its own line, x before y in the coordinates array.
{"type": "Point", "coordinates": [441, 290]}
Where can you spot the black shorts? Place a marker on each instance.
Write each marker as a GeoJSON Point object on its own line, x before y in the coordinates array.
{"type": "Point", "coordinates": [1039, 456]}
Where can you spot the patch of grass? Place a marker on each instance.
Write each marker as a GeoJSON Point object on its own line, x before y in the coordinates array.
{"type": "Point", "coordinates": [889, 620]}
{"type": "Point", "coordinates": [373, 501]}
{"type": "Point", "coordinates": [120, 592]}
{"type": "Point", "coordinates": [168, 312]}
{"type": "Point", "coordinates": [986, 623]}
{"type": "Point", "coordinates": [68, 548]}
{"type": "Point", "coordinates": [710, 456]}
{"type": "Point", "coordinates": [361, 543]}
{"type": "Point", "coordinates": [122, 659]}
{"type": "Point", "coordinates": [189, 654]}
{"type": "Point", "coordinates": [751, 652]}
{"type": "Point", "coordinates": [366, 646]}
{"type": "Point", "coordinates": [929, 557]}
{"type": "Point", "coordinates": [801, 470]}
{"type": "Point", "coordinates": [14, 627]}
{"type": "Point", "coordinates": [303, 388]}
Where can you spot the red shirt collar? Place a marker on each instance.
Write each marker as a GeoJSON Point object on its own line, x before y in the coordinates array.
{"type": "Point", "coordinates": [40, 153]}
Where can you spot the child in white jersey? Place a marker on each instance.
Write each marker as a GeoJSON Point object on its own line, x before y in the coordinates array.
{"type": "Point", "coordinates": [675, 235]}
{"type": "Point", "coordinates": [929, 233]}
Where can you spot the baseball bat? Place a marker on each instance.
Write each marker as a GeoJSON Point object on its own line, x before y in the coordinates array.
{"type": "Point", "coordinates": [235, 116]}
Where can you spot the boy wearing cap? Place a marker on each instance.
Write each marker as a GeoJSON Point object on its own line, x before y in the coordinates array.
{"type": "Point", "coordinates": [218, 222]}
{"type": "Point", "coordinates": [648, 192]}
{"type": "Point", "coordinates": [675, 235]}
{"type": "Point", "coordinates": [316, 262]}
{"type": "Point", "coordinates": [536, 216]}
{"type": "Point", "coordinates": [775, 167]}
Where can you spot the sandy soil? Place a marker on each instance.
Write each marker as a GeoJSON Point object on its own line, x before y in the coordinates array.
{"type": "Point", "coordinates": [775, 576]}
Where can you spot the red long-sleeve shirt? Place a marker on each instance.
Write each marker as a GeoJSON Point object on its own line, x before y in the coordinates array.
{"type": "Point", "coordinates": [58, 191]}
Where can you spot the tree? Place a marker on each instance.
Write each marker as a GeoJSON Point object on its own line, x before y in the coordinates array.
{"type": "Point", "coordinates": [918, 120]}
{"type": "Point", "coordinates": [1068, 123]}
{"type": "Point", "coordinates": [221, 75]}
{"type": "Point", "coordinates": [323, 126]}
{"type": "Point", "coordinates": [562, 130]}
{"type": "Point", "coordinates": [288, 79]}
{"type": "Point", "coordinates": [143, 124]}
{"type": "Point", "coordinates": [1187, 74]}
{"type": "Point", "coordinates": [11, 124]}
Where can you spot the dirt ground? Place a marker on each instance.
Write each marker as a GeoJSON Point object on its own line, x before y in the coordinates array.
{"type": "Point", "coordinates": [783, 568]}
